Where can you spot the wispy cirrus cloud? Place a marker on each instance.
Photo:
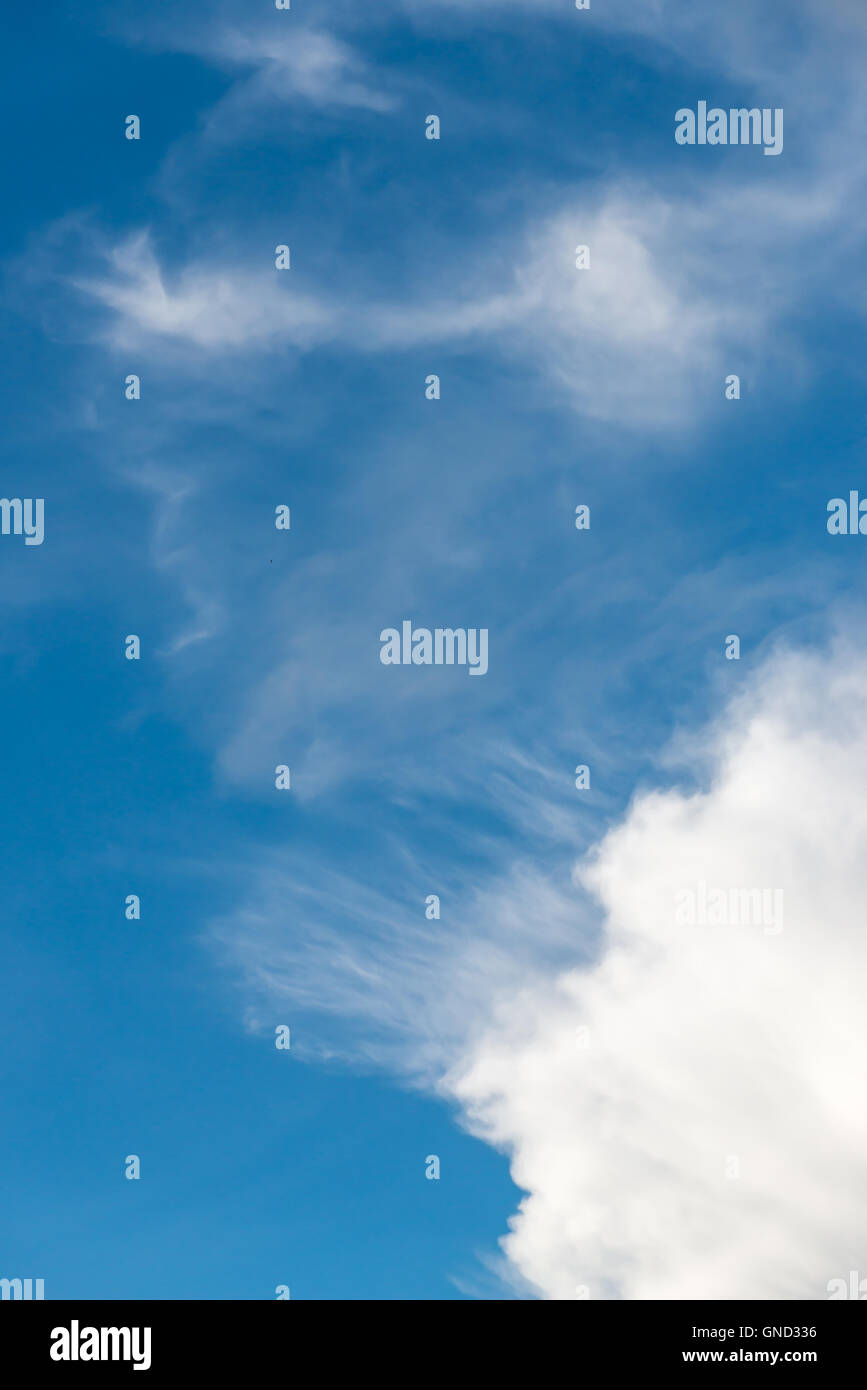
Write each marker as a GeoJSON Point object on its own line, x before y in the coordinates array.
{"type": "Point", "coordinates": [212, 308]}
{"type": "Point", "coordinates": [274, 58]}
{"type": "Point", "coordinates": [305, 65]}
{"type": "Point", "coordinates": [632, 338]}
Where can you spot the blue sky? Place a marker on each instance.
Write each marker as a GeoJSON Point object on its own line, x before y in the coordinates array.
{"type": "Point", "coordinates": [261, 647]}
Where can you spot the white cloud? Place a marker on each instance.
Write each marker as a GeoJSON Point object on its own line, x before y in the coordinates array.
{"type": "Point", "coordinates": [626, 338]}
{"type": "Point", "coordinates": [639, 337]}
{"type": "Point", "coordinates": [706, 1044]}
{"type": "Point", "coordinates": [208, 306]}
{"type": "Point", "coordinates": [276, 58]}
{"type": "Point", "coordinates": [403, 992]}
{"type": "Point", "coordinates": [171, 553]}
{"type": "Point", "coordinates": [306, 63]}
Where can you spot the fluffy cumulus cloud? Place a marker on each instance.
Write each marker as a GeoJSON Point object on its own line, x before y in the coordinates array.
{"type": "Point", "coordinates": [684, 1115]}
{"type": "Point", "coordinates": [671, 1049]}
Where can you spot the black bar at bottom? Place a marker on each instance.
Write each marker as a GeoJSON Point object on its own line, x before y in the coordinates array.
{"type": "Point", "coordinates": [153, 1339]}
